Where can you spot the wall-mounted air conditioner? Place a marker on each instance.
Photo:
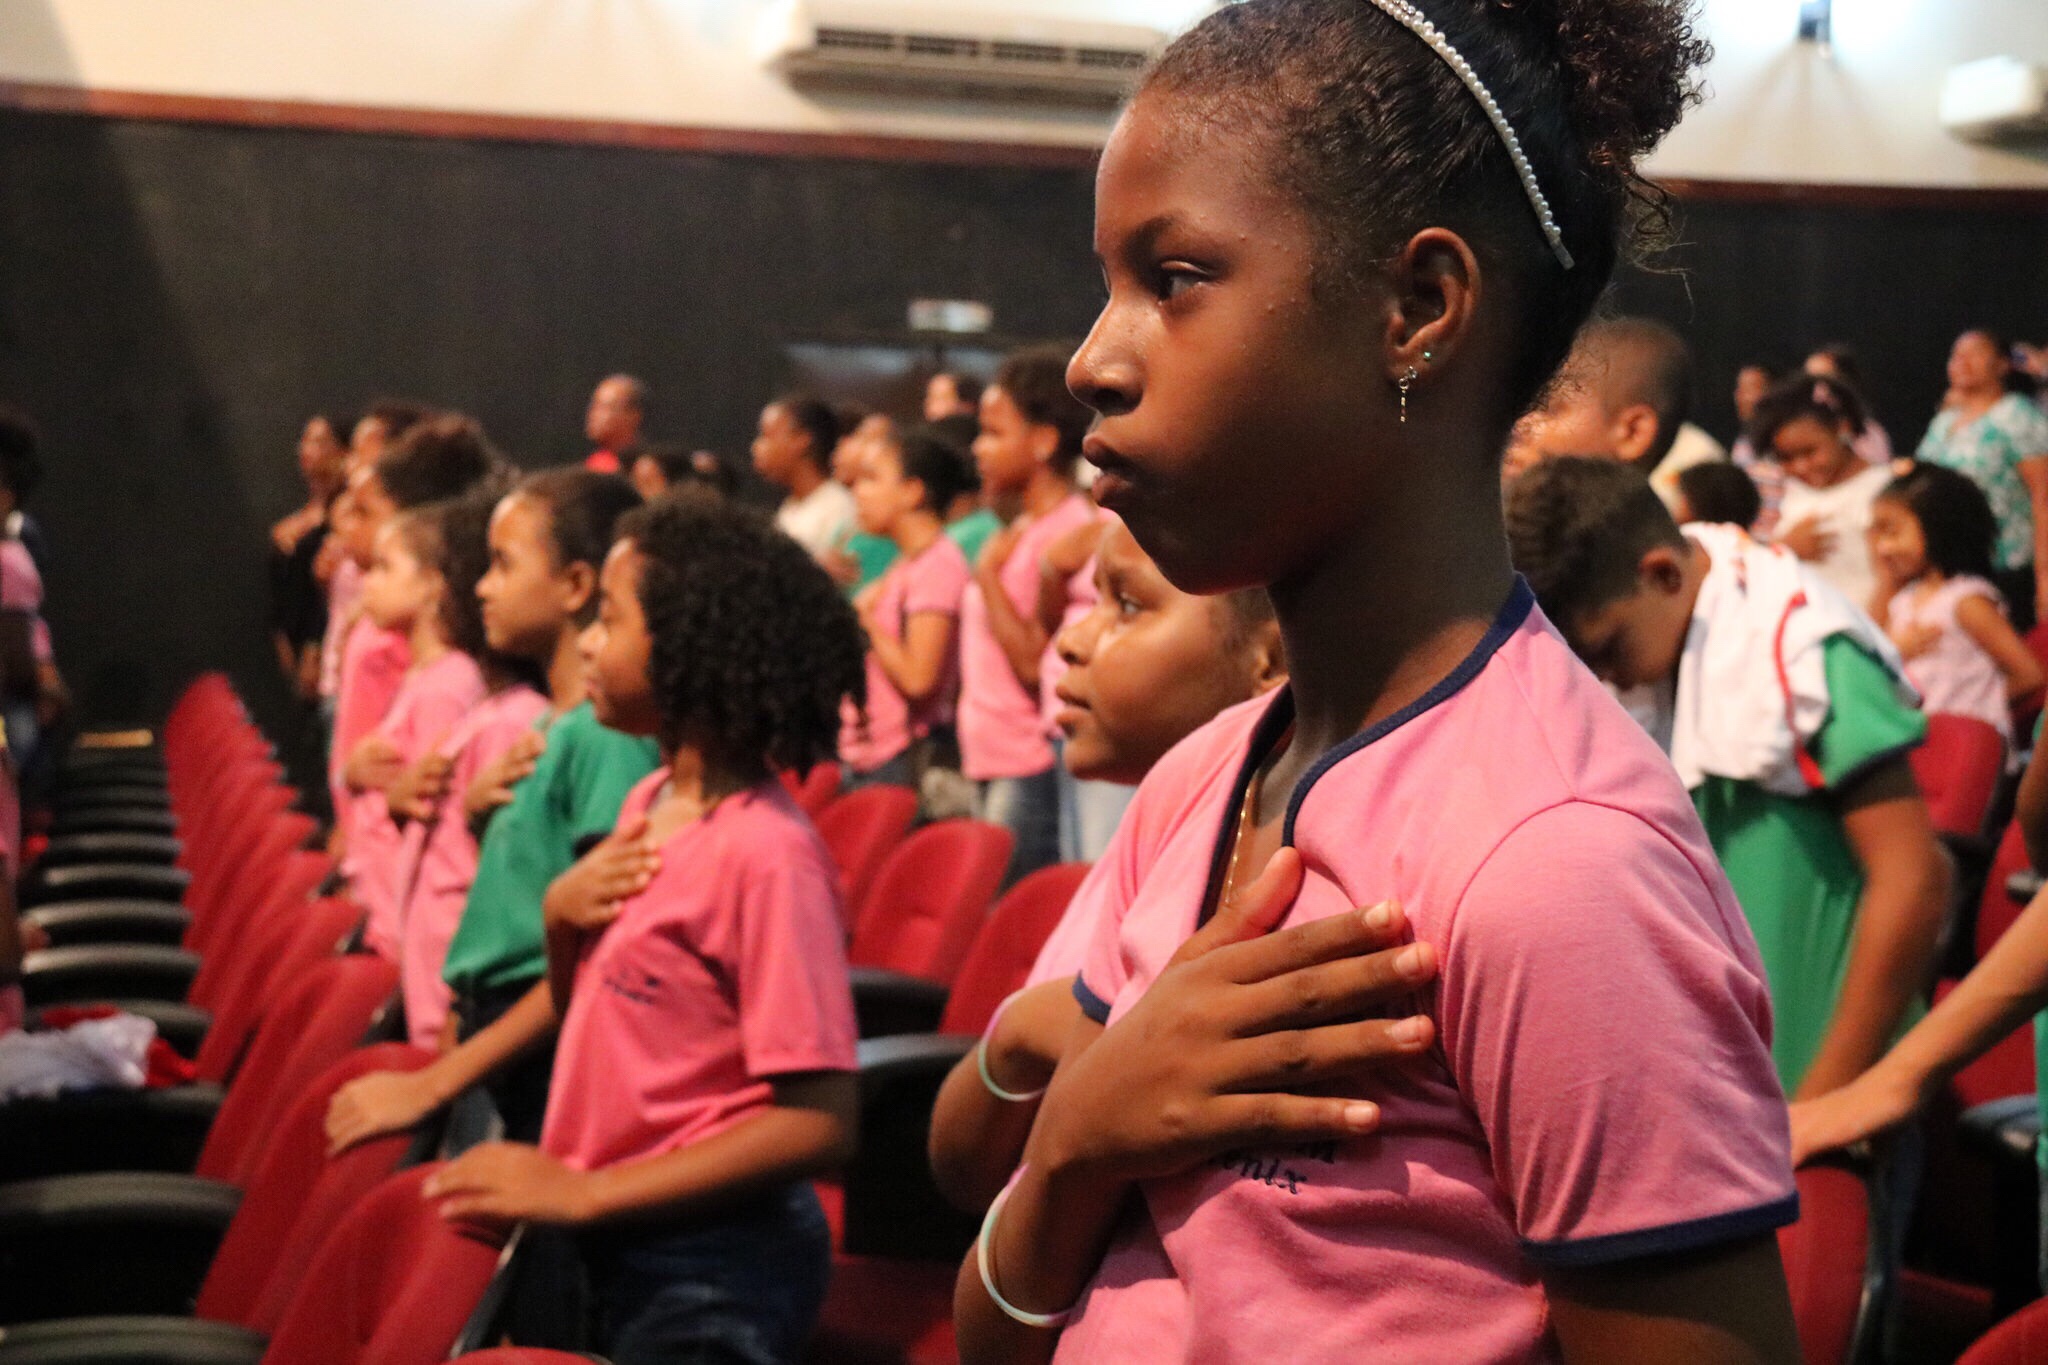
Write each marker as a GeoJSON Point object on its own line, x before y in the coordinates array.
{"type": "Point", "coordinates": [956, 50]}
{"type": "Point", "coordinates": [1998, 99]}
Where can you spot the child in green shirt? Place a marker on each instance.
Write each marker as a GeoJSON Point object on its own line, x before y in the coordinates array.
{"type": "Point", "coordinates": [1785, 711]}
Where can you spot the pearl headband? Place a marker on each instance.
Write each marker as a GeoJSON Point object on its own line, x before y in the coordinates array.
{"type": "Point", "coordinates": [1416, 22]}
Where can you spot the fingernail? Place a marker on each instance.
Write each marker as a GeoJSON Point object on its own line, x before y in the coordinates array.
{"type": "Point", "coordinates": [1380, 918]}
{"type": "Point", "coordinates": [1361, 1116]}
{"type": "Point", "coordinates": [1411, 1031]}
{"type": "Point", "coordinates": [1412, 962]}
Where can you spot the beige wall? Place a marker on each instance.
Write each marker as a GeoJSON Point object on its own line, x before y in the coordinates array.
{"type": "Point", "coordinates": [1780, 110]}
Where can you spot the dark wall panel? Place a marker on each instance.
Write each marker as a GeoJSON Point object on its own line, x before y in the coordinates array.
{"type": "Point", "coordinates": [174, 298]}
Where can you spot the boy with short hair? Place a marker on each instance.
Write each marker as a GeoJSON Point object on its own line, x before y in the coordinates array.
{"type": "Point", "coordinates": [1787, 715]}
{"type": "Point", "coordinates": [1625, 393]}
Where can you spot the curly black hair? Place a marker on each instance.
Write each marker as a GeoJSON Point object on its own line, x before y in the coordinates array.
{"type": "Point", "coordinates": [754, 646]}
{"type": "Point", "coordinates": [21, 461]}
{"type": "Point", "coordinates": [1829, 402]}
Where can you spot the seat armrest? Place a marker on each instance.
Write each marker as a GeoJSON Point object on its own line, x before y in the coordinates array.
{"type": "Point", "coordinates": [68, 923]}
{"type": "Point", "coordinates": [68, 850]}
{"type": "Point", "coordinates": [886, 1002]}
{"type": "Point", "coordinates": [2010, 1126]}
{"type": "Point", "coordinates": [892, 1206]}
{"type": "Point", "coordinates": [107, 1130]}
{"type": "Point", "coordinates": [80, 880]}
{"type": "Point", "coordinates": [131, 1341]}
{"type": "Point", "coordinates": [2023, 885]}
{"type": "Point", "coordinates": [126, 1242]}
{"type": "Point", "coordinates": [112, 818]}
{"type": "Point", "coordinates": [97, 971]}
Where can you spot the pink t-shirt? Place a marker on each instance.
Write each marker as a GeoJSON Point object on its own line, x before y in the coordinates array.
{"type": "Point", "coordinates": [930, 582]}
{"type": "Point", "coordinates": [1602, 1087]}
{"type": "Point", "coordinates": [344, 591]}
{"type": "Point", "coordinates": [1002, 733]}
{"type": "Point", "coordinates": [431, 701]}
{"type": "Point", "coordinates": [21, 589]}
{"type": "Point", "coordinates": [373, 667]}
{"type": "Point", "coordinates": [726, 971]}
{"type": "Point", "coordinates": [437, 859]}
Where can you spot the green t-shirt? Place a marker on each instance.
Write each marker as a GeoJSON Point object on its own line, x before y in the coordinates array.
{"type": "Point", "coordinates": [574, 791]}
{"type": "Point", "coordinates": [972, 531]}
{"type": "Point", "coordinates": [1790, 862]}
{"type": "Point", "coordinates": [874, 554]}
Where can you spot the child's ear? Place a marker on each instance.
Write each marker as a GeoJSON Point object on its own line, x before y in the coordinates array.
{"type": "Point", "coordinates": [1662, 569]}
{"type": "Point", "coordinates": [1634, 431]}
{"type": "Point", "coordinates": [1045, 442]}
{"type": "Point", "coordinates": [579, 587]}
{"type": "Point", "coordinates": [1265, 658]}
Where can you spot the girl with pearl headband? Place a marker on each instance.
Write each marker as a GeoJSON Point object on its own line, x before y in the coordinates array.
{"type": "Point", "coordinates": [1346, 244]}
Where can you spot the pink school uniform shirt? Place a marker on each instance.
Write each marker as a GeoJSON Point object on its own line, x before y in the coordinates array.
{"type": "Point", "coordinates": [1002, 732]}
{"type": "Point", "coordinates": [437, 861]}
{"type": "Point", "coordinates": [21, 589]}
{"type": "Point", "coordinates": [1602, 1087]}
{"type": "Point", "coordinates": [726, 972]}
{"type": "Point", "coordinates": [373, 667]}
{"type": "Point", "coordinates": [431, 701]}
{"type": "Point", "coordinates": [930, 581]}
{"type": "Point", "coordinates": [344, 591]}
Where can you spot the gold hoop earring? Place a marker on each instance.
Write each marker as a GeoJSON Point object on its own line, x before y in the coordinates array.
{"type": "Point", "coordinates": [1407, 379]}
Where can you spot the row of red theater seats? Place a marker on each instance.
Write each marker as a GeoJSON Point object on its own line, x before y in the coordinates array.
{"type": "Point", "coordinates": [253, 975]}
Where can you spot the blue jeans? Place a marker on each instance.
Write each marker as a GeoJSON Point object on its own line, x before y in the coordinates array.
{"type": "Point", "coordinates": [741, 1288]}
{"type": "Point", "coordinates": [1089, 811]}
{"type": "Point", "coordinates": [1028, 807]}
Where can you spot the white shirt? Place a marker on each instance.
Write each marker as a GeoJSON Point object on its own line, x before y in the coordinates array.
{"type": "Point", "coordinates": [821, 520]}
{"type": "Point", "coordinates": [1843, 511]}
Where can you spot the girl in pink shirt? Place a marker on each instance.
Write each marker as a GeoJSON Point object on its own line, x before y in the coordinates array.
{"type": "Point", "coordinates": [911, 613]}
{"type": "Point", "coordinates": [707, 1040]}
{"type": "Point", "coordinates": [438, 856]}
{"type": "Point", "coordinates": [1030, 440]}
{"type": "Point", "coordinates": [1346, 243]}
{"type": "Point", "coordinates": [407, 592]}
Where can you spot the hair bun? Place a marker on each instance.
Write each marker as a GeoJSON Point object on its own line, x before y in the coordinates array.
{"type": "Point", "coordinates": [1631, 70]}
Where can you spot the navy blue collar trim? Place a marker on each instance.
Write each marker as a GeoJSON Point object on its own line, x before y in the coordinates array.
{"type": "Point", "coordinates": [1279, 716]}
{"type": "Point", "coordinates": [1513, 612]}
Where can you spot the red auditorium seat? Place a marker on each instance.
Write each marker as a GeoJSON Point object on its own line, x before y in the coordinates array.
{"type": "Point", "coordinates": [816, 789]}
{"type": "Point", "coordinates": [1828, 1264]}
{"type": "Point", "coordinates": [313, 1025]}
{"type": "Point", "coordinates": [137, 1242]}
{"type": "Point", "coordinates": [525, 1355]}
{"type": "Point", "coordinates": [1958, 770]}
{"type": "Point", "coordinates": [929, 898]}
{"type": "Point", "coordinates": [2021, 1339]}
{"type": "Point", "coordinates": [861, 828]}
{"type": "Point", "coordinates": [1007, 945]}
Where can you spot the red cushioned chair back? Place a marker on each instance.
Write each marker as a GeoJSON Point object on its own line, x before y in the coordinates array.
{"type": "Point", "coordinates": [1957, 769]}
{"type": "Point", "coordinates": [1001, 956]}
{"type": "Point", "coordinates": [248, 879]}
{"type": "Point", "coordinates": [1996, 910]}
{"type": "Point", "coordinates": [393, 1285]}
{"type": "Point", "coordinates": [818, 789]}
{"type": "Point", "coordinates": [286, 887]}
{"type": "Point", "coordinates": [2021, 1339]}
{"type": "Point", "coordinates": [523, 1355]}
{"type": "Point", "coordinates": [289, 943]}
{"type": "Point", "coordinates": [930, 898]}
{"type": "Point", "coordinates": [321, 1018]}
{"type": "Point", "coordinates": [296, 1194]}
{"type": "Point", "coordinates": [2004, 1069]}
{"type": "Point", "coordinates": [861, 829]}
{"type": "Point", "coordinates": [1825, 1256]}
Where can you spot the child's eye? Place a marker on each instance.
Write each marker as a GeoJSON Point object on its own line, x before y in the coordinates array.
{"type": "Point", "coordinates": [1175, 278]}
{"type": "Point", "coordinates": [1126, 606]}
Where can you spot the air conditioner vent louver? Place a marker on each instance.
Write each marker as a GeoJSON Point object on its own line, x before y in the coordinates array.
{"type": "Point", "coordinates": [855, 40]}
{"type": "Point", "coordinates": [902, 48]}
